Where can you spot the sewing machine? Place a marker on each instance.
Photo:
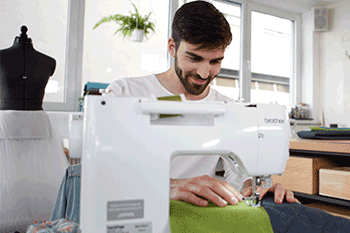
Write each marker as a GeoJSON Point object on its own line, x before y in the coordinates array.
{"type": "Point", "coordinates": [128, 144]}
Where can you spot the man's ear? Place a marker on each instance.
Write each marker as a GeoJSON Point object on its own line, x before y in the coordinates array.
{"type": "Point", "coordinates": [171, 47]}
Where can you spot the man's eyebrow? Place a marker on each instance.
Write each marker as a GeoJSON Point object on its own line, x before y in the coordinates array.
{"type": "Point", "coordinates": [217, 59]}
{"type": "Point", "coordinates": [199, 57]}
{"type": "Point", "coordinates": [193, 54]}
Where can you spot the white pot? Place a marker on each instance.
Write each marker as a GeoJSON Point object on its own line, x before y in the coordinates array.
{"type": "Point", "coordinates": [137, 35]}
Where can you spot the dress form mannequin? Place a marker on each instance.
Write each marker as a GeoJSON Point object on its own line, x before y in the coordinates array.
{"type": "Point", "coordinates": [24, 73]}
{"type": "Point", "coordinates": [32, 159]}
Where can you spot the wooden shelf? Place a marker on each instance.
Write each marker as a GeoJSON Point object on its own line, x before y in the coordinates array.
{"type": "Point", "coordinates": [330, 146]}
{"type": "Point", "coordinates": [325, 199]}
{"type": "Point", "coordinates": [335, 150]}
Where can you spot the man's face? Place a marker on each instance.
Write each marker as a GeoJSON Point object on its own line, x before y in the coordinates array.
{"type": "Point", "coordinates": [196, 68]}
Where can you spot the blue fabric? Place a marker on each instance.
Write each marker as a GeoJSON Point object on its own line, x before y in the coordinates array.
{"type": "Point", "coordinates": [293, 217]}
{"type": "Point", "coordinates": [325, 134]}
{"type": "Point", "coordinates": [67, 203]}
{"type": "Point", "coordinates": [285, 218]}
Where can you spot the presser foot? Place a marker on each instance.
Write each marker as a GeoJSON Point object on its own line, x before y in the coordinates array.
{"type": "Point", "coordinates": [254, 199]}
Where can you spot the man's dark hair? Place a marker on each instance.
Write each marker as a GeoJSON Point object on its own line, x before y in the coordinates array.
{"type": "Point", "coordinates": [199, 22]}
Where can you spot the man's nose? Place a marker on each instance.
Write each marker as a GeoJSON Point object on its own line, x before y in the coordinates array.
{"type": "Point", "coordinates": [204, 71]}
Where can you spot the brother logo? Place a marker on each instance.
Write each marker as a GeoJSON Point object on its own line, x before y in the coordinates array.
{"type": "Point", "coordinates": [274, 121]}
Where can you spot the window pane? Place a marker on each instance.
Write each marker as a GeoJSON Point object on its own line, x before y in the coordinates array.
{"type": "Point", "coordinates": [47, 26]}
{"type": "Point", "coordinates": [108, 56]}
{"type": "Point", "coordinates": [271, 58]}
{"type": "Point", "coordinates": [231, 63]}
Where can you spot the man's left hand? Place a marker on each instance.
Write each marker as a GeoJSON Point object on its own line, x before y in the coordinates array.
{"type": "Point", "coordinates": [279, 193]}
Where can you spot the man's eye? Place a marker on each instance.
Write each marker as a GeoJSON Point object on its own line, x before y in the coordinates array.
{"type": "Point", "coordinates": [216, 62]}
{"type": "Point", "coordinates": [194, 58]}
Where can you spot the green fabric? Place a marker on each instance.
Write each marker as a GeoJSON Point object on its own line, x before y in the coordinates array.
{"type": "Point", "coordinates": [185, 217]}
{"type": "Point", "coordinates": [329, 129]}
{"type": "Point", "coordinates": [169, 98]}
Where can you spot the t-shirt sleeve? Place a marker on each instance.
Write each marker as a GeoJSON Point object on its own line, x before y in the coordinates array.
{"type": "Point", "coordinates": [234, 177]}
{"type": "Point", "coordinates": [116, 87]}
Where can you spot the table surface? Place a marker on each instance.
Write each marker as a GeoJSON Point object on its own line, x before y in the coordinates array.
{"type": "Point", "coordinates": [336, 146]}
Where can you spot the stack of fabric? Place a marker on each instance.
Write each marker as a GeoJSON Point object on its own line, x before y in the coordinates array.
{"type": "Point", "coordinates": [325, 133]}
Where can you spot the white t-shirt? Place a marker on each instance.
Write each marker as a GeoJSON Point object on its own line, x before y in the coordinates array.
{"type": "Point", "coordinates": [182, 167]}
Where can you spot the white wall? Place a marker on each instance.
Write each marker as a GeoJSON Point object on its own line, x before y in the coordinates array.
{"type": "Point", "coordinates": [325, 75]}
{"type": "Point", "coordinates": [309, 86]}
{"type": "Point", "coordinates": [334, 66]}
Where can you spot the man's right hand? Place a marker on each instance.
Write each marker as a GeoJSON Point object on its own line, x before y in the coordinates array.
{"type": "Point", "coordinates": [200, 190]}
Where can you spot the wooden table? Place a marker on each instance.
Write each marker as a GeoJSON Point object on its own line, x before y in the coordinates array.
{"type": "Point", "coordinates": [328, 146]}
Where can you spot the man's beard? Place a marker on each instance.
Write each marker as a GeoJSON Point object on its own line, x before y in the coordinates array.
{"type": "Point", "coordinates": [192, 88]}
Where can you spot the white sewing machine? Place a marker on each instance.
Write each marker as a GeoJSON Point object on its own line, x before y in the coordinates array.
{"type": "Point", "coordinates": [128, 146]}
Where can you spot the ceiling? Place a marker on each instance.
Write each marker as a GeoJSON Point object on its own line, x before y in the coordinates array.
{"type": "Point", "coordinates": [297, 6]}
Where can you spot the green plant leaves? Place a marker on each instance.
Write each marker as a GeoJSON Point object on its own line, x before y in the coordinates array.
{"type": "Point", "coordinates": [129, 23]}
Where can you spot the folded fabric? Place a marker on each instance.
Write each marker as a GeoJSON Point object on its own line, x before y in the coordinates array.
{"type": "Point", "coordinates": [293, 217]}
{"type": "Point", "coordinates": [325, 134]}
{"type": "Point", "coordinates": [57, 226]}
{"type": "Point", "coordinates": [329, 129]}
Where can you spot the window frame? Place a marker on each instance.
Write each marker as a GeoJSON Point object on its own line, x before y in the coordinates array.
{"type": "Point", "coordinates": [294, 84]}
{"type": "Point", "coordinates": [245, 74]}
{"type": "Point", "coordinates": [74, 59]}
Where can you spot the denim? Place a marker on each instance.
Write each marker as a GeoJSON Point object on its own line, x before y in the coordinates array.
{"type": "Point", "coordinates": [67, 203]}
{"type": "Point", "coordinates": [294, 217]}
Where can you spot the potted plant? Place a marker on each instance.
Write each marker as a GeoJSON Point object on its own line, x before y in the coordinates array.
{"type": "Point", "coordinates": [134, 25]}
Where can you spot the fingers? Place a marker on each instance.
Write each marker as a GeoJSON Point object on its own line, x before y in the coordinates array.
{"type": "Point", "coordinates": [289, 196]}
{"type": "Point", "coordinates": [208, 194]}
{"type": "Point", "coordinates": [281, 192]}
{"type": "Point", "coordinates": [262, 192]}
{"type": "Point", "coordinates": [227, 192]}
{"type": "Point", "coordinates": [247, 191]}
{"type": "Point", "coordinates": [191, 198]}
{"type": "Point", "coordinates": [200, 190]}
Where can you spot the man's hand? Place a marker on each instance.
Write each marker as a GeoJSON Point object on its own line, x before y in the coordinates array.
{"type": "Point", "coordinates": [200, 190]}
{"type": "Point", "coordinates": [278, 189]}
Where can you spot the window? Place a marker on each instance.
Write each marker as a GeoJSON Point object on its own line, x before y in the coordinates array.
{"type": "Point", "coordinates": [261, 62]}
{"type": "Point", "coordinates": [63, 30]}
{"type": "Point", "coordinates": [271, 58]}
{"type": "Point", "coordinates": [107, 56]}
{"type": "Point", "coordinates": [227, 81]}
{"type": "Point", "coordinates": [47, 24]}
